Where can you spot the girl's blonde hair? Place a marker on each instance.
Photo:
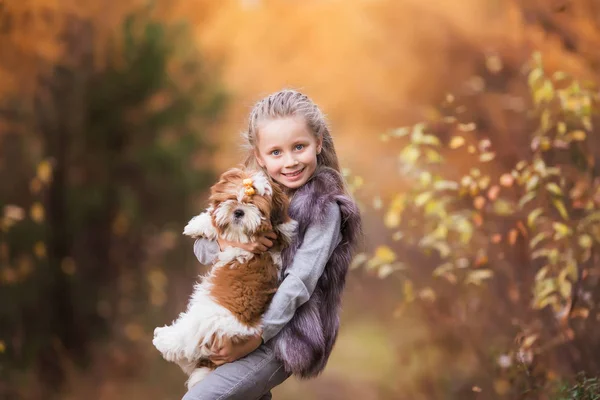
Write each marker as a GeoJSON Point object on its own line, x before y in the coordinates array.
{"type": "Point", "coordinates": [289, 103]}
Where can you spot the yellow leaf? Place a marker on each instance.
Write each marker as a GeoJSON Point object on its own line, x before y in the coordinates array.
{"type": "Point", "coordinates": [410, 154]}
{"type": "Point", "coordinates": [377, 203]}
{"type": "Point", "coordinates": [37, 212]}
{"type": "Point", "coordinates": [485, 157]}
{"type": "Point", "coordinates": [541, 274]}
{"type": "Point", "coordinates": [532, 183]}
{"type": "Point", "coordinates": [393, 216]}
{"type": "Point", "coordinates": [560, 206]}
{"type": "Point", "coordinates": [357, 261]}
{"type": "Point", "coordinates": [2, 347]}
{"type": "Point", "coordinates": [385, 254]}
{"type": "Point", "coordinates": [422, 198]}
{"type": "Point", "coordinates": [467, 127]}
{"type": "Point", "coordinates": [537, 239]}
{"type": "Point", "coordinates": [477, 276]}
{"type": "Point", "coordinates": [585, 241]}
{"type": "Point", "coordinates": [445, 185]}
{"type": "Point", "coordinates": [456, 142]}
{"type": "Point", "coordinates": [442, 269]}
{"type": "Point", "coordinates": [529, 341]}
{"type": "Point", "coordinates": [425, 178]}
{"type": "Point", "coordinates": [44, 171]}
{"type": "Point", "coordinates": [561, 229]}
{"type": "Point", "coordinates": [433, 156]}
{"type": "Point", "coordinates": [427, 294]}
{"type": "Point", "coordinates": [384, 271]}
{"type": "Point", "coordinates": [565, 289]}
{"type": "Point", "coordinates": [533, 215]}
{"type": "Point", "coordinates": [578, 135]}
{"type": "Point", "coordinates": [554, 189]}
{"type": "Point", "coordinates": [400, 132]}
{"type": "Point", "coordinates": [503, 207]}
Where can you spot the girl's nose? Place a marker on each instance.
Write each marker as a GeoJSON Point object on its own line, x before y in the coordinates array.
{"type": "Point", "coordinates": [290, 161]}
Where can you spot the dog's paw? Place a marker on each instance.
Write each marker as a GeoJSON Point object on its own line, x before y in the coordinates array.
{"type": "Point", "coordinates": [201, 226]}
{"type": "Point", "coordinates": [167, 343]}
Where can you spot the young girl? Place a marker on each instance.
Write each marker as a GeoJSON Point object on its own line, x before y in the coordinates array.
{"type": "Point", "coordinates": [288, 138]}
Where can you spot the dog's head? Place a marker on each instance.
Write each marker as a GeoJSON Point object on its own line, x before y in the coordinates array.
{"type": "Point", "coordinates": [245, 203]}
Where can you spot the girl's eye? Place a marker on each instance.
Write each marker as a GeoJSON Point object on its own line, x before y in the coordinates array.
{"type": "Point", "coordinates": [299, 146]}
{"type": "Point", "coordinates": [275, 152]}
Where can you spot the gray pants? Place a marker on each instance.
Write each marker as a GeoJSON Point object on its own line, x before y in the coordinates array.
{"type": "Point", "coordinates": [249, 378]}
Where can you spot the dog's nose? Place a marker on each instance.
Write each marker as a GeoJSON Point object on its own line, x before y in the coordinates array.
{"type": "Point", "coordinates": [238, 213]}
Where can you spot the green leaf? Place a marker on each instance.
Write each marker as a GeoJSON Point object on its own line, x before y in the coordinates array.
{"type": "Point", "coordinates": [541, 274]}
{"type": "Point", "coordinates": [503, 207]}
{"type": "Point", "coordinates": [554, 189]}
{"type": "Point", "coordinates": [446, 185]}
{"type": "Point", "coordinates": [433, 157]}
{"type": "Point", "coordinates": [526, 199]}
{"type": "Point", "coordinates": [585, 241]}
{"type": "Point", "coordinates": [410, 154]}
{"type": "Point", "coordinates": [477, 276]}
{"type": "Point", "coordinates": [423, 198]}
{"type": "Point", "coordinates": [537, 239]}
{"type": "Point", "coordinates": [533, 215]}
{"type": "Point", "coordinates": [534, 76]}
{"type": "Point", "coordinates": [532, 183]}
{"type": "Point", "coordinates": [560, 206]}
{"type": "Point", "coordinates": [561, 230]}
{"type": "Point", "coordinates": [442, 269]}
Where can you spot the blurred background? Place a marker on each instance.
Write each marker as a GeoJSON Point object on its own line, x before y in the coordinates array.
{"type": "Point", "coordinates": [466, 130]}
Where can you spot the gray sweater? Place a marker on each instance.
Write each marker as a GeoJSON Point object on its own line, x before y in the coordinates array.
{"type": "Point", "coordinates": [300, 278]}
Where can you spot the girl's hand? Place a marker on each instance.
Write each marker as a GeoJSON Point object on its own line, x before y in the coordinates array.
{"type": "Point", "coordinates": [264, 243]}
{"type": "Point", "coordinates": [229, 352]}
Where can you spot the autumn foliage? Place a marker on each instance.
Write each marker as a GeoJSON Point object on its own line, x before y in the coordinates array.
{"type": "Point", "coordinates": [468, 133]}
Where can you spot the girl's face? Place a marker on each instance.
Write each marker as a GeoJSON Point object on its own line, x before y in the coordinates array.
{"type": "Point", "coordinates": [287, 150]}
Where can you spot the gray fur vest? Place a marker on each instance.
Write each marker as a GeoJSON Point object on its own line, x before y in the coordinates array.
{"type": "Point", "coordinates": [305, 343]}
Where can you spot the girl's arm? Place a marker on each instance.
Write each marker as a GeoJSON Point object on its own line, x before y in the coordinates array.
{"type": "Point", "coordinates": [301, 276]}
{"type": "Point", "coordinates": [206, 250]}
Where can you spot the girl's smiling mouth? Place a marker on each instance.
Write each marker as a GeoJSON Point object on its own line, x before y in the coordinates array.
{"type": "Point", "coordinates": [293, 174]}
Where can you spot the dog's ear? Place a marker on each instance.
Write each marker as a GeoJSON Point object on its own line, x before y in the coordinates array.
{"type": "Point", "coordinates": [283, 225]}
{"type": "Point", "coordinates": [227, 184]}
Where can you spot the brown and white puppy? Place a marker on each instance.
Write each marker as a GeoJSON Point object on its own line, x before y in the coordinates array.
{"type": "Point", "coordinates": [230, 300]}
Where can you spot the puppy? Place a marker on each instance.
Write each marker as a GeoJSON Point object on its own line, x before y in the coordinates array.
{"type": "Point", "coordinates": [229, 301]}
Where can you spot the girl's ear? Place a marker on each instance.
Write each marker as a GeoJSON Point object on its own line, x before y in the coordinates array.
{"type": "Point", "coordinates": [259, 159]}
{"type": "Point", "coordinates": [319, 145]}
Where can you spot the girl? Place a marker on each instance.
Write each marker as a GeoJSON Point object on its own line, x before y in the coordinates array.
{"type": "Point", "coordinates": [288, 138]}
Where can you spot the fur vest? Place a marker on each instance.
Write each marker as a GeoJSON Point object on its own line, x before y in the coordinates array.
{"type": "Point", "coordinates": [305, 343]}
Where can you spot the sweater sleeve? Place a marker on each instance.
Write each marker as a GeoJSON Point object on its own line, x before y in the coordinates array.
{"type": "Point", "coordinates": [306, 268]}
{"type": "Point", "coordinates": [206, 250]}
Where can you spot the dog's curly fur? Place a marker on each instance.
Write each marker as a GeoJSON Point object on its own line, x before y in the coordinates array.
{"type": "Point", "coordinates": [230, 300]}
